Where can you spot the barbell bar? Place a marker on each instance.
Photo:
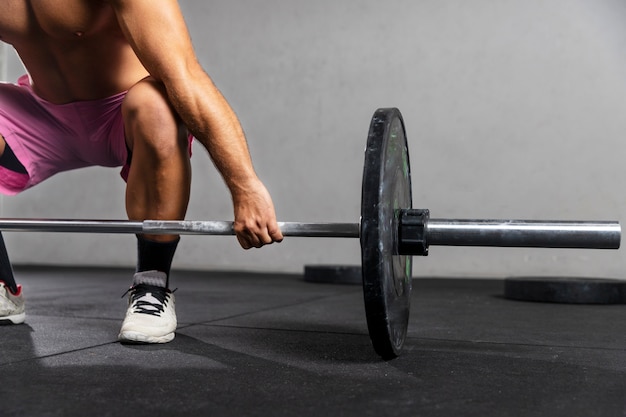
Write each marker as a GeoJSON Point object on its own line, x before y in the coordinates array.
{"type": "Point", "coordinates": [435, 232]}
{"type": "Point", "coordinates": [390, 231]}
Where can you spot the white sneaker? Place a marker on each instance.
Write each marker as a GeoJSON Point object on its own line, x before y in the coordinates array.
{"type": "Point", "coordinates": [11, 305]}
{"type": "Point", "coordinates": [150, 317]}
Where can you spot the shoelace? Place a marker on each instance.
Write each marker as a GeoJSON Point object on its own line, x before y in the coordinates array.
{"type": "Point", "coordinates": [144, 306]}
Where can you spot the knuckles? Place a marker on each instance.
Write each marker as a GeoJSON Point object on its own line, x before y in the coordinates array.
{"type": "Point", "coordinates": [251, 234]}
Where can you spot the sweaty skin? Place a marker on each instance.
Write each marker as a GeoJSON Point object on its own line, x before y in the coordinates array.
{"type": "Point", "coordinates": [90, 49]}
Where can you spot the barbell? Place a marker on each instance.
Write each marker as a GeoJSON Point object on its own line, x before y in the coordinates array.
{"type": "Point", "coordinates": [390, 231]}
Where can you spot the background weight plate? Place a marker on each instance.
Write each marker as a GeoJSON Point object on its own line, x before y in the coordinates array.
{"type": "Point", "coordinates": [386, 190]}
{"type": "Point", "coordinates": [333, 274]}
{"type": "Point", "coordinates": [566, 290]}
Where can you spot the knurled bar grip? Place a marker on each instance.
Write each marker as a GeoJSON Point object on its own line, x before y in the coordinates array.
{"type": "Point", "coordinates": [437, 232]}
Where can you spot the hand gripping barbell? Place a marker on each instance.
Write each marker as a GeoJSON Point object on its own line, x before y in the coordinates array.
{"type": "Point", "coordinates": [390, 231]}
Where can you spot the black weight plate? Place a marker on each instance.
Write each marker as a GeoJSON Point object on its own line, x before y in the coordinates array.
{"type": "Point", "coordinates": [333, 274]}
{"type": "Point", "coordinates": [386, 190]}
{"type": "Point", "coordinates": [566, 290]}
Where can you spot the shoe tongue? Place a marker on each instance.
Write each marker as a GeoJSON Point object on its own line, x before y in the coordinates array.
{"type": "Point", "coordinates": [156, 278]}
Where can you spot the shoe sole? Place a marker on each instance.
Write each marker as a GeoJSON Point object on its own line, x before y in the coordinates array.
{"type": "Point", "coordinates": [140, 338]}
{"type": "Point", "coordinates": [14, 319]}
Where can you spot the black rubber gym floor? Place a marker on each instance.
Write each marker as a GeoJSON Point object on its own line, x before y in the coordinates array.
{"type": "Point", "coordinates": [274, 345]}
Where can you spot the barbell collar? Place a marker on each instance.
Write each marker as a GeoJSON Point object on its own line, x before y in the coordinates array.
{"type": "Point", "coordinates": [412, 239]}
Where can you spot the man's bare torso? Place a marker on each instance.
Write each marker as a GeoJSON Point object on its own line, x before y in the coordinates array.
{"type": "Point", "coordinates": [73, 49]}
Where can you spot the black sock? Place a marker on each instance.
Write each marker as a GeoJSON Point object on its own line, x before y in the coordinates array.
{"type": "Point", "coordinates": [6, 270]}
{"type": "Point", "coordinates": [155, 256]}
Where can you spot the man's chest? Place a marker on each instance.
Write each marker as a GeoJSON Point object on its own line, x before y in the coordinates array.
{"type": "Point", "coordinates": [61, 19]}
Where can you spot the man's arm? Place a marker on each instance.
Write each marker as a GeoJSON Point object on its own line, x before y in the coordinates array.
{"type": "Point", "coordinates": [159, 36]}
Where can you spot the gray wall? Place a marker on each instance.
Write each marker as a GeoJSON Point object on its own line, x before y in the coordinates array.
{"type": "Point", "coordinates": [514, 108]}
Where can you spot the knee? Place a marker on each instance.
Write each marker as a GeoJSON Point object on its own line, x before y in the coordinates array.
{"type": "Point", "coordinates": [149, 118]}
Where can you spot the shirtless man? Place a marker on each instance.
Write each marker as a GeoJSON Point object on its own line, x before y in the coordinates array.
{"type": "Point", "coordinates": [117, 83]}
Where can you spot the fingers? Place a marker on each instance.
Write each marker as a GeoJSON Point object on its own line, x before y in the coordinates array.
{"type": "Point", "coordinates": [255, 218]}
{"type": "Point", "coordinates": [257, 235]}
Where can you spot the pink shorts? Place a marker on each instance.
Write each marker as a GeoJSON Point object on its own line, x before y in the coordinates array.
{"type": "Point", "coordinates": [50, 138]}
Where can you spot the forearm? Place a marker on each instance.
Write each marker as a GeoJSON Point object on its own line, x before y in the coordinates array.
{"type": "Point", "coordinates": [212, 121]}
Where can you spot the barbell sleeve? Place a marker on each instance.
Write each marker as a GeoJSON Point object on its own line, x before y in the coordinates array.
{"type": "Point", "coordinates": [524, 233]}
